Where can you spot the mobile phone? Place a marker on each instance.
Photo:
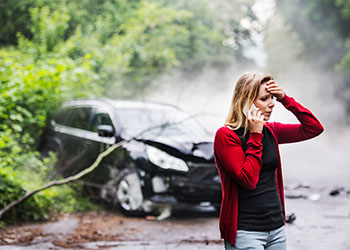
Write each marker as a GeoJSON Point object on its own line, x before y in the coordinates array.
{"type": "Point", "coordinates": [245, 110]}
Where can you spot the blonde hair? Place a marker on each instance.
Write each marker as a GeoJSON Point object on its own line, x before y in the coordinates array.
{"type": "Point", "coordinates": [244, 94]}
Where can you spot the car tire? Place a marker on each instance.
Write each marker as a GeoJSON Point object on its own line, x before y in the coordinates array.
{"type": "Point", "coordinates": [128, 195]}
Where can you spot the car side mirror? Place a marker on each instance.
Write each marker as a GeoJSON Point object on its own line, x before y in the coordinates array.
{"type": "Point", "coordinates": [105, 130]}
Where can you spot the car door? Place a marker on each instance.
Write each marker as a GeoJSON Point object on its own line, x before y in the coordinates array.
{"type": "Point", "coordinates": [57, 137]}
{"type": "Point", "coordinates": [98, 144]}
{"type": "Point", "coordinates": [101, 116]}
{"type": "Point", "coordinates": [75, 136]}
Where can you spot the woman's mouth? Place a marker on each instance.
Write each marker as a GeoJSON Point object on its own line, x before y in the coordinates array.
{"type": "Point", "coordinates": [267, 115]}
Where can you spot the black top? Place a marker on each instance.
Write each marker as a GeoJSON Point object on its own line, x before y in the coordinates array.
{"type": "Point", "coordinates": [260, 209]}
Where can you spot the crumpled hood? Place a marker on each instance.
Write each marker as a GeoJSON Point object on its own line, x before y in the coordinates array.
{"type": "Point", "coordinates": [186, 146]}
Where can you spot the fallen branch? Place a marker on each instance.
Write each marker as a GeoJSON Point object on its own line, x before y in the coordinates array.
{"type": "Point", "coordinates": [85, 171]}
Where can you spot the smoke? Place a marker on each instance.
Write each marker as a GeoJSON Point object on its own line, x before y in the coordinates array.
{"type": "Point", "coordinates": [206, 94]}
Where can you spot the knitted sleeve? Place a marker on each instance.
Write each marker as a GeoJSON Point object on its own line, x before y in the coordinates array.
{"type": "Point", "coordinates": [308, 127]}
{"type": "Point", "coordinates": [243, 167]}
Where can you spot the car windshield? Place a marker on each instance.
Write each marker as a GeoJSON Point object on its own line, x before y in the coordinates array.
{"type": "Point", "coordinates": [170, 122]}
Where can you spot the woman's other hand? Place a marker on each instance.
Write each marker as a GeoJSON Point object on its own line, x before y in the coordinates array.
{"type": "Point", "coordinates": [255, 120]}
{"type": "Point", "coordinates": [274, 89]}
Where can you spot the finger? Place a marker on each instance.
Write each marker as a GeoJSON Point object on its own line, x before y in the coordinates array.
{"type": "Point", "coordinates": [249, 114]}
{"type": "Point", "coordinates": [259, 115]}
{"type": "Point", "coordinates": [274, 89]}
{"type": "Point", "coordinates": [277, 92]}
{"type": "Point", "coordinates": [273, 86]}
{"type": "Point", "coordinates": [254, 112]}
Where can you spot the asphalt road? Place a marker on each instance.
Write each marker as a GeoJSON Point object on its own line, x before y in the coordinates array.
{"type": "Point", "coordinates": [322, 222]}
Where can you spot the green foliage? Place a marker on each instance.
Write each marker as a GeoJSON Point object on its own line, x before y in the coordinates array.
{"type": "Point", "coordinates": [329, 22]}
{"type": "Point", "coordinates": [104, 16]}
{"type": "Point", "coordinates": [30, 91]}
{"type": "Point", "coordinates": [48, 28]}
{"type": "Point", "coordinates": [287, 39]}
{"type": "Point", "coordinates": [14, 17]}
{"type": "Point", "coordinates": [150, 43]}
{"type": "Point", "coordinates": [215, 32]}
{"type": "Point", "coordinates": [343, 65]}
{"type": "Point", "coordinates": [69, 198]}
{"type": "Point", "coordinates": [344, 7]}
{"type": "Point", "coordinates": [61, 199]}
{"type": "Point", "coordinates": [35, 208]}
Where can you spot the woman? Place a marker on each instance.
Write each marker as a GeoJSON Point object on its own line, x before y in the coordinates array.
{"type": "Point", "coordinates": [246, 153]}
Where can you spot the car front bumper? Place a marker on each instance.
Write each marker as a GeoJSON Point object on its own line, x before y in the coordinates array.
{"type": "Point", "coordinates": [200, 184]}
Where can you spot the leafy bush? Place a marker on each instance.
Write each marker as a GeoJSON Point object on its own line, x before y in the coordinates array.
{"type": "Point", "coordinates": [35, 208]}
{"type": "Point", "coordinates": [59, 199]}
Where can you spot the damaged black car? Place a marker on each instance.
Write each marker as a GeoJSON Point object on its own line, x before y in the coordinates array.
{"type": "Point", "coordinates": [169, 162]}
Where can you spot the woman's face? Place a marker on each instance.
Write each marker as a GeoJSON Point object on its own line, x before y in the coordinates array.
{"type": "Point", "coordinates": [265, 102]}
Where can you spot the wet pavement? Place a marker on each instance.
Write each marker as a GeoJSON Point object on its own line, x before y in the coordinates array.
{"type": "Point", "coordinates": [185, 229]}
{"type": "Point", "coordinates": [322, 222]}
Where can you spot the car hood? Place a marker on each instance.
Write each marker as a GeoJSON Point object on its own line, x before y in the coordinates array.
{"type": "Point", "coordinates": [198, 149]}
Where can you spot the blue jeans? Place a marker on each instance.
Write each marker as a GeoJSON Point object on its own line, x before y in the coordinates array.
{"type": "Point", "coordinates": [251, 240]}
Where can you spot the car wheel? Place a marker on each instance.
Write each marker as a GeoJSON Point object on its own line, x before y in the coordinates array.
{"type": "Point", "coordinates": [128, 196]}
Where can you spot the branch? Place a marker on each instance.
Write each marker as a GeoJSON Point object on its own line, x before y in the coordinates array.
{"type": "Point", "coordinates": [87, 170]}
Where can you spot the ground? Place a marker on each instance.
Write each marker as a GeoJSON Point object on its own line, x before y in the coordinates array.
{"type": "Point", "coordinates": [322, 222]}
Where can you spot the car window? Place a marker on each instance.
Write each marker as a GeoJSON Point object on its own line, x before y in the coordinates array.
{"type": "Point", "coordinates": [100, 118]}
{"type": "Point", "coordinates": [61, 116]}
{"type": "Point", "coordinates": [79, 118]}
{"type": "Point", "coordinates": [175, 123]}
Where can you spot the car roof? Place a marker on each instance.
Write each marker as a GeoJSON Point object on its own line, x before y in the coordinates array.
{"type": "Point", "coordinates": [120, 104]}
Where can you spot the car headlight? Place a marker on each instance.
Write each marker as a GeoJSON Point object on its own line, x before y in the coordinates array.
{"type": "Point", "coordinates": [164, 160]}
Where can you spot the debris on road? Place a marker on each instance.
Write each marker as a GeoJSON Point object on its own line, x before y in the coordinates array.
{"type": "Point", "coordinates": [302, 184]}
{"type": "Point", "coordinates": [336, 191]}
{"type": "Point", "coordinates": [296, 196]}
{"type": "Point", "coordinates": [290, 218]}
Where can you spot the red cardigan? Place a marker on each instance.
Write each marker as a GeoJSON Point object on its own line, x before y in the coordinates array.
{"type": "Point", "coordinates": [236, 168]}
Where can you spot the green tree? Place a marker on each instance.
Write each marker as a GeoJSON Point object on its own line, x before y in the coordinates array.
{"type": "Point", "coordinates": [344, 64]}
{"type": "Point", "coordinates": [14, 18]}
{"type": "Point", "coordinates": [215, 31]}
{"type": "Point", "coordinates": [321, 26]}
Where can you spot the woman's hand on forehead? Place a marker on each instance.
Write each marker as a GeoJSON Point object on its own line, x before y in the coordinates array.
{"type": "Point", "coordinates": [274, 89]}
